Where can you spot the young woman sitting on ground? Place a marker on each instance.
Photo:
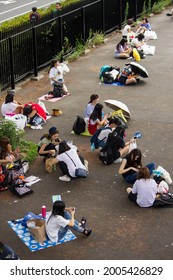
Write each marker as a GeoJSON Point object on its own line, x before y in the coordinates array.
{"type": "Point", "coordinates": [131, 164]}
{"type": "Point", "coordinates": [94, 99]}
{"type": "Point", "coordinates": [61, 219]}
{"type": "Point", "coordinates": [11, 106]}
{"type": "Point", "coordinates": [35, 114]}
{"type": "Point", "coordinates": [122, 49]}
{"type": "Point", "coordinates": [56, 74]}
{"type": "Point", "coordinates": [144, 26]}
{"type": "Point", "coordinates": [69, 161]}
{"type": "Point", "coordinates": [127, 76]}
{"type": "Point", "coordinates": [115, 147]}
{"type": "Point", "coordinates": [48, 144]}
{"type": "Point", "coordinates": [6, 153]}
{"type": "Point", "coordinates": [144, 190]}
{"type": "Point", "coordinates": [95, 120]}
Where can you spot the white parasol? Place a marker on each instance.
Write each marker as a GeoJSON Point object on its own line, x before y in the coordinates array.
{"type": "Point", "coordinates": [118, 105]}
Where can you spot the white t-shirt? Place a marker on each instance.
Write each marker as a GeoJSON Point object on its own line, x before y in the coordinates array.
{"type": "Point", "coordinates": [88, 110]}
{"type": "Point", "coordinates": [146, 192]}
{"type": "Point", "coordinates": [126, 29]}
{"type": "Point", "coordinates": [103, 135]}
{"type": "Point", "coordinates": [56, 73]}
{"type": "Point", "coordinates": [8, 108]}
{"type": "Point", "coordinates": [68, 160]}
{"type": "Point", "coordinates": [53, 226]}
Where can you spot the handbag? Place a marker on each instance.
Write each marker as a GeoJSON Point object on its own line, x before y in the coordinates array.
{"type": "Point", "coordinates": [81, 173]}
{"type": "Point", "coordinates": [48, 164]}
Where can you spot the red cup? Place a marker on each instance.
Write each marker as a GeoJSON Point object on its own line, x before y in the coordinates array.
{"type": "Point", "coordinates": [43, 211]}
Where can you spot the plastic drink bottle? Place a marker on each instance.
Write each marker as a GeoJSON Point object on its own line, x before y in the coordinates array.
{"type": "Point", "coordinates": [43, 211]}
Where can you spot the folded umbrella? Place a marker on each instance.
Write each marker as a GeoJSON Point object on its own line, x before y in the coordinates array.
{"type": "Point", "coordinates": [118, 105]}
{"type": "Point", "coordinates": [138, 69]}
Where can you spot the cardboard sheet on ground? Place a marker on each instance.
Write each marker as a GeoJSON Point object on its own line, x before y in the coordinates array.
{"type": "Point", "coordinates": [24, 234]}
{"type": "Point", "coordinates": [116, 105]}
{"type": "Point", "coordinates": [52, 99]}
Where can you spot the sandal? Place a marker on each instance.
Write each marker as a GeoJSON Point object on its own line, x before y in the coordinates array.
{"type": "Point", "coordinates": [2, 189]}
{"type": "Point", "coordinates": [87, 232]}
{"type": "Point", "coordinates": [83, 222]}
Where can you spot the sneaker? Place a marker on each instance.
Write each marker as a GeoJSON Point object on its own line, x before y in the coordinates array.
{"type": "Point", "coordinates": [128, 190]}
{"type": "Point", "coordinates": [65, 178]}
{"type": "Point", "coordinates": [36, 127]}
{"type": "Point", "coordinates": [87, 232]}
{"type": "Point", "coordinates": [118, 160]}
{"type": "Point", "coordinates": [86, 164]}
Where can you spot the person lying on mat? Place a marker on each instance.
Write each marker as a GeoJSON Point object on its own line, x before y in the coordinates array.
{"type": "Point", "coordinates": [56, 73]}
{"type": "Point", "coordinates": [69, 161]}
{"type": "Point", "coordinates": [96, 120]}
{"type": "Point", "coordinates": [35, 114]}
{"type": "Point", "coordinates": [130, 165]}
{"type": "Point", "coordinates": [127, 77]}
{"type": "Point", "coordinates": [144, 190]}
{"type": "Point", "coordinates": [49, 143]}
{"type": "Point", "coordinates": [61, 219]}
{"type": "Point", "coordinates": [10, 106]}
{"type": "Point", "coordinates": [94, 99]}
{"type": "Point", "coordinates": [122, 49]}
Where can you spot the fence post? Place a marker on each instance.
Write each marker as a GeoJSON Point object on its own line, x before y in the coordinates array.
{"type": "Point", "coordinates": [35, 51]}
{"type": "Point", "coordinates": [135, 9]}
{"type": "Point", "coordinates": [11, 63]}
{"type": "Point", "coordinates": [83, 24]}
{"type": "Point", "coordinates": [120, 15]}
{"type": "Point", "coordinates": [103, 16]}
{"type": "Point", "coordinates": [60, 31]}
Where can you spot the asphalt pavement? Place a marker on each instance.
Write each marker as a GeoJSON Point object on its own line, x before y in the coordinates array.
{"type": "Point", "coordinates": [121, 230]}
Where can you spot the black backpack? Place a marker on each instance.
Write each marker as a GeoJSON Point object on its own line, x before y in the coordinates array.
{"type": "Point", "coordinates": [94, 139]}
{"type": "Point", "coordinates": [107, 78]}
{"type": "Point", "coordinates": [164, 200]}
{"type": "Point", "coordinates": [79, 125]}
{"type": "Point", "coordinates": [58, 90]}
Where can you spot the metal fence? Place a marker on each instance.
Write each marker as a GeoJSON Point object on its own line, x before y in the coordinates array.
{"type": "Point", "coordinates": [25, 53]}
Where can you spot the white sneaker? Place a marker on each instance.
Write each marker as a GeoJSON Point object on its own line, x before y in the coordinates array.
{"type": "Point", "coordinates": [65, 178]}
{"type": "Point", "coordinates": [36, 127]}
{"type": "Point", "coordinates": [118, 160]}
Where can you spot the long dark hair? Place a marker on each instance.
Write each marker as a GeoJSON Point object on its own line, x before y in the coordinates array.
{"type": "Point", "coordinates": [97, 112]}
{"type": "Point", "coordinates": [58, 208]}
{"type": "Point", "coordinates": [131, 158]}
{"type": "Point", "coordinates": [4, 141]}
{"type": "Point", "coordinates": [93, 97]}
{"type": "Point", "coordinates": [63, 147]}
{"type": "Point", "coordinates": [122, 42]}
{"type": "Point", "coordinates": [52, 64]}
{"type": "Point", "coordinates": [9, 98]}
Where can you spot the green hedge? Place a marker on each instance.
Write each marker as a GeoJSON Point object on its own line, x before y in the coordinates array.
{"type": "Point", "coordinates": [24, 19]}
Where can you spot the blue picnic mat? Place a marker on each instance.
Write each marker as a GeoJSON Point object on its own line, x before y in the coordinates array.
{"type": "Point", "coordinates": [24, 234]}
{"type": "Point", "coordinates": [118, 84]}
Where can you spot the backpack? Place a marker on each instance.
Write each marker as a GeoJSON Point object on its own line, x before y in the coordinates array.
{"type": "Point", "coordinates": [58, 90]}
{"type": "Point", "coordinates": [106, 156]}
{"type": "Point", "coordinates": [105, 68]}
{"type": "Point", "coordinates": [34, 18]}
{"type": "Point", "coordinates": [79, 125]}
{"type": "Point", "coordinates": [107, 78]}
{"type": "Point", "coordinates": [94, 141]}
{"type": "Point", "coordinates": [163, 200]}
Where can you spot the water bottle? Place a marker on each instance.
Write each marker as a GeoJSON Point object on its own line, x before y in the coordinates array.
{"type": "Point", "coordinates": [43, 211]}
{"type": "Point", "coordinates": [92, 147]}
